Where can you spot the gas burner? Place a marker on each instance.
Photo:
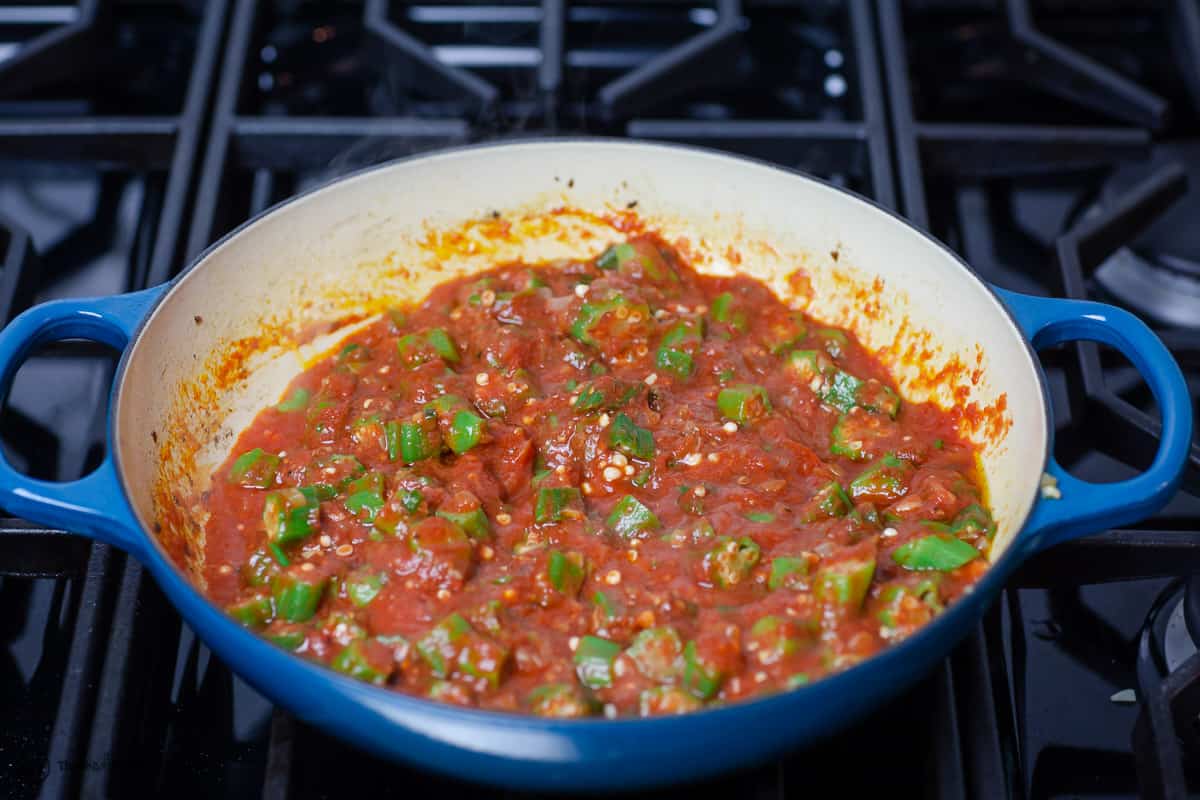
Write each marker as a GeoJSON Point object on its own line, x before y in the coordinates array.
{"type": "Point", "coordinates": [1158, 275]}
{"type": "Point", "coordinates": [1166, 737]}
{"type": "Point", "coordinates": [1178, 645]}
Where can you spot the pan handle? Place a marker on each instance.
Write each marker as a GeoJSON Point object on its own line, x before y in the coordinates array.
{"type": "Point", "coordinates": [1086, 507]}
{"type": "Point", "coordinates": [94, 505]}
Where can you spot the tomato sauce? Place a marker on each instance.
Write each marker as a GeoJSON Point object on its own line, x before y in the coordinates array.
{"type": "Point", "coordinates": [613, 487]}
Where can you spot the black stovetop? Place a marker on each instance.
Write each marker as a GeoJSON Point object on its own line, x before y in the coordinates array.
{"type": "Point", "coordinates": [1051, 143]}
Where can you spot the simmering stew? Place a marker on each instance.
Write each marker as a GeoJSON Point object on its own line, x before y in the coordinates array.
{"type": "Point", "coordinates": [612, 487]}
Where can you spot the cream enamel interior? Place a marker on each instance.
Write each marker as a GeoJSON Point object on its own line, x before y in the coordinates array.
{"type": "Point", "coordinates": [398, 230]}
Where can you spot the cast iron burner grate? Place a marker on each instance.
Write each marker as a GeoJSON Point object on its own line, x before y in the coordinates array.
{"type": "Point", "coordinates": [1002, 120]}
{"type": "Point", "coordinates": [1158, 275]}
{"type": "Point", "coordinates": [100, 124]}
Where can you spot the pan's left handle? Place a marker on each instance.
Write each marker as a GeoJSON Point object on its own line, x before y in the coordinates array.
{"type": "Point", "coordinates": [94, 505]}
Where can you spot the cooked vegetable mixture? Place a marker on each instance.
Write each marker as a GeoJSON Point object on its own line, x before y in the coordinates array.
{"type": "Point", "coordinates": [616, 487]}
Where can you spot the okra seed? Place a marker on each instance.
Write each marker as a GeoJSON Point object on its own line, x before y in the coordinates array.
{"type": "Point", "coordinates": [760, 677]}
{"type": "Point", "coordinates": [345, 550]}
{"type": "Point", "coordinates": [651, 379]}
{"type": "Point", "coordinates": [443, 594]}
{"type": "Point", "coordinates": [612, 577]}
{"type": "Point", "coordinates": [560, 470]}
{"type": "Point", "coordinates": [635, 316]}
{"type": "Point", "coordinates": [225, 569]}
{"type": "Point", "coordinates": [618, 460]}
{"type": "Point", "coordinates": [730, 427]}
{"type": "Point", "coordinates": [619, 667]}
{"type": "Point", "coordinates": [610, 711]}
{"type": "Point", "coordinates": [308, 566]}
{"type": "Point", "coordinates": [611, 474]}
{"type": "Point", "coordinates": [889, 532]}
{"type": "Point", "coordinates": [700, 491]}
{"type": "Point", "coordinates": [604, 420]}
{"type": "Point", "coordinates": [701, 309]}
{"type": "Point", "coordinates": [581, 289]}
{"type": "Point", "coordinates": [714, 458]}
{"type": "Point", "coordinates": [481, 379]}
{"type": "Point", "coordinates": [691, 459]}
{"type": "Point", "coordinates": [629, 469]}
{"type": "Point", "coordinates": [325, 540]}
{"type": "Point", "coordinates": [503, 518]}
{"type": "Point", "coordinates": [573, 643]}
{"type": "Point", "coordinates": [486, 553]}
{"type": "Point", "coordinates": [487, 297]}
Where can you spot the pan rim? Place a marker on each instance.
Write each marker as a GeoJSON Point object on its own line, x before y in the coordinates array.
{"type": "Point", "coordinates": [152, 552]}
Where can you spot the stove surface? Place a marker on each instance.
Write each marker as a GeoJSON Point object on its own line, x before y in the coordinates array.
{"type": "Point", "coordinates": [1056, 145]}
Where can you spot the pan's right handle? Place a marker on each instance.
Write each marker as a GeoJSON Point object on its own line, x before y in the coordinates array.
{"type": "Point", "coordinates": [1085, 507]}
{"type": "Point", "coordinates": [94, 505]}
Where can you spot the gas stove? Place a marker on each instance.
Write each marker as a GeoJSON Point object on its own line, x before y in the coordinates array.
{"type": "Point", "coordinates": [1055, 145]}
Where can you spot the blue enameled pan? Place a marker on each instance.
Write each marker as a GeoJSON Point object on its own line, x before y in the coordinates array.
{"type": "Point", "coordinates": [202, 353]}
